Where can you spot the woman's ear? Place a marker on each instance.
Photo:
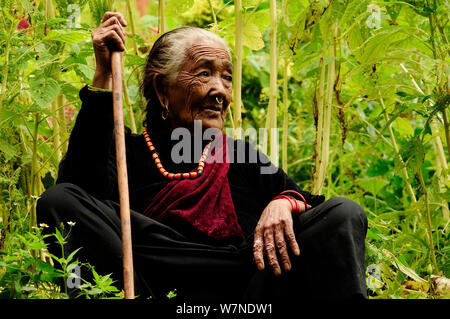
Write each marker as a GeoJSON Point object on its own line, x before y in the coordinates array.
{"type": "Point", "coordinates": [159, 89]}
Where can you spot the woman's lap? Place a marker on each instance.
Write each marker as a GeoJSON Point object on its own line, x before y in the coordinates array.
{"type": "Point", "coordinates": [331, 239]}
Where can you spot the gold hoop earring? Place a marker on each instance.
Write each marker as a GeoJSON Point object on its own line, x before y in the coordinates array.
{"type": "Point", "coordinates": [165, 112]}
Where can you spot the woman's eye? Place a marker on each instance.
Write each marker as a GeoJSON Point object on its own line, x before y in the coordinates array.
{"type": "Point", "coordinates": [204, 73]}
{"type": "Point", "coordinates": [228, 78]}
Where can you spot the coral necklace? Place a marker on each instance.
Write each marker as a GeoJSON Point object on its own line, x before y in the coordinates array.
{"type": "Point", "coordinates": [192, 174]}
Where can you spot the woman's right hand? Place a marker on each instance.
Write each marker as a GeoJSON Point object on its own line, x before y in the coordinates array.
{"type": "Point", "coordinates": [108, 37]}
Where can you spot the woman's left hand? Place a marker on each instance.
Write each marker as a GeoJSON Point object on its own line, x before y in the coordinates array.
{"type": "Point", "coordinates": [275, 231]}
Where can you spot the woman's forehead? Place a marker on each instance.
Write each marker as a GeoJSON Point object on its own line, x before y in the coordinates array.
{"type": "Point", "coordinates": [206, 50]}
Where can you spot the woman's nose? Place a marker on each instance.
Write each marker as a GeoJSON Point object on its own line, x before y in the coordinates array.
{"type": "Point", "coordinates": [218, 87]}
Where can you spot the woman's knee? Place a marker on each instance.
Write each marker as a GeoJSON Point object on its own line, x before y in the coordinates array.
{"type": "Point", "coordinates": [57, 199]}
{"type": "Point", "coordinates": [347, 210]}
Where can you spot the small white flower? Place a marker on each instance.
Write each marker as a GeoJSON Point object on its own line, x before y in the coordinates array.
{"type": "Point", "coordinates": [70, 223]}
{"type": "Point", "coordinates": [43, 225]}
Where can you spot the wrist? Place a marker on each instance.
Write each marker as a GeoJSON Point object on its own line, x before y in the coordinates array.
{"type": "Point", "coordinates": [102, 79]}
{"type": "Point", "coordinates": [295, 195]}
{"type": "Point", "coordinates": [291, 203]}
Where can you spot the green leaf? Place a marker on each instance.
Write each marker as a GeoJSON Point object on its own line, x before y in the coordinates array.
{"type": "Point", "coordinates": [445, 195]}
{"type": "Point", "coordinates": [45, 267]}
{"type": "Point", "coordinates": [177, 7]}
{"type": "Point", "coordinates": [372, 185]}
{"type": "Point", "coordinates": [59, 237]}
{"type": "Point", "coordinates": [87, 71]}
{"type": "Point", "coordinates": [252, 37]}
{"type": "Point", "coordinates": [44, 90]}
{"type": "Point", "coordinates": [403, 127]}
{"type": "Point", "coordinates": [378, 167]}
{"type": "Point", "coordinates": [374, 233]}
{"type": "Point", "coordinates": [413, 154]}
{"type": "Point", "coordinates": [55, 21]}
{"type": "Point", "coordinates": [68, 36]}
{"type": "Point", "coordinates": [393, 11]}
{"type": "Point", "coordinates": [134, 60]}
{"type": "Point", "coordinates": [403, 268]}
{"type": "Point", "coordinates": [8, 150]}
{"type": "Point", "coordinates": [95, 291]}
{"type": "Point", "coordinates": [70, 257]}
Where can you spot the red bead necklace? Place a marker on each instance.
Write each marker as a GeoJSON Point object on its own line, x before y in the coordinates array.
{"type": "Point", "coordinates": [192, 174]}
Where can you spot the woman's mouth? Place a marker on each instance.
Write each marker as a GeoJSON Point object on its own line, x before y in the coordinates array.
{"type": "Point", "coordinates": [216, 109]}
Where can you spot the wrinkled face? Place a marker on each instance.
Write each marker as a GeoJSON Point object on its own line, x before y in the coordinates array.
{"type": "Point", "coordinates": [203, 88]}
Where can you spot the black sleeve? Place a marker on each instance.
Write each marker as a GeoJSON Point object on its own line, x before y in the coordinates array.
{"type": "Point", "coordinates": [90, 158]}
{"type": "Point", "coordinates": [272, 180]}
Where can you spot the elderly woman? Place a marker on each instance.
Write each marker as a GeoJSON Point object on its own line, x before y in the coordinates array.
{"type": "Point", "coordinates": [213, 230]}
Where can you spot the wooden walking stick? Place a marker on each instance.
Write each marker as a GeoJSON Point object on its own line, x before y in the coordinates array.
{"type": "Point", "coordinates": [122, 175]}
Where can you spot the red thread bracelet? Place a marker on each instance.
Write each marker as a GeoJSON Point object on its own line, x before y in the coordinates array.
{"type": "Point", "coordinates": [298, 194]}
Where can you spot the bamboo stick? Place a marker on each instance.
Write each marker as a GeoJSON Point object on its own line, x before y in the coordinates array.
{"type": "Point", "coordinates": [122, 175]}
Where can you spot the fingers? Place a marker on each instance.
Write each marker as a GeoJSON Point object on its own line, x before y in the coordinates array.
{"type": "Point", "coordinates": [120, 32]}
{"type": "Point", "coordinates": [282, 247]}
{"type": "Point", "coordinates": [274, 236]}
{"type": "Point", "coordinates": [109, 34]}
{"type": "Point", "coordinates": [108, 15]}
{"type": "Point", "coordinates": [290, 238]}
{"type": "Point", "coordinates": [112, 36]}
{"type": "Point", "coordinates": [258, 249]}
{"type": "Point", "coordinates": [269, 248]}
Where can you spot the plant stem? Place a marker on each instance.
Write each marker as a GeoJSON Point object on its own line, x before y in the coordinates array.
{"type": "Point", "coordinates": [285, 116]}
{"type": "Point", "coordinates": [56, 131]}
{"type": "Point", "coordinates": [129, 107]}
{"type": "Point", "coordinates": [273, 88]}
{"type": "Point", "coordinates": [162, 19]}
{"type": "Point", "coordinates": [59, 123]}
{"type": "Point", "coordinates": [397, 153]}
{"type": "Point", "coordinates": [132, 25]}
{"type": "Point", "coordinates": [124, 84]}
{"type": "Point", "coordinates": [446, 129]}
{"type": "Point", "coordinates": [430, 228]}
{"type": "Point", "coordinates": [441, 161]}
{"type": "Point", "coordinates": [212, 12]}
{"type": "Point", "coordinates": [320, 113]}
{"type": "Point", "coordinates": [6, 66]}
{"type": "Point", "coordinates": [237, 69]}
{"type": "Point", "coordinates": [327, 110]}
{"type": "Point", "coordinates": [284, 142]}
{"type": "Point", "coordinates": [34, 169]}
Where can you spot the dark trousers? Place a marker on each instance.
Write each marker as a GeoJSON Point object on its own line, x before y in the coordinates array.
{"type": "Point", "coordinates": [331, 264]}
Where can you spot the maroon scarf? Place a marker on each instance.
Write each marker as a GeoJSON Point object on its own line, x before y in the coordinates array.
{"type": "Point", "coordinates": [204, 203]}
